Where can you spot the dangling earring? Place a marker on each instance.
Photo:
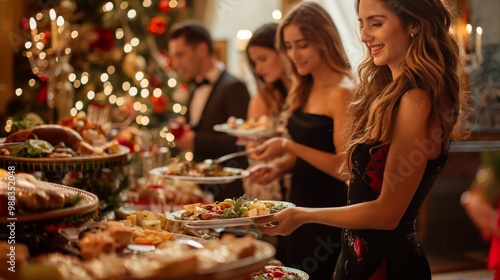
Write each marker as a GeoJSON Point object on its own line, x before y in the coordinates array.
{"type": "Point", "coordinates": [412, 35]}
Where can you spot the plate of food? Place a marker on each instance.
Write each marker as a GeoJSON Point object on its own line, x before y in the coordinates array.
{"type": "Point", "coordinates": [199, 173]}
{"type": "Point", "coordinates": [273, 272]}
{"type": "Point", "coordinates": [228, 213]}
{"type": "Point", "coordinates": [38, 200]}
{"type": "Point", "coordinates": [247, 128]}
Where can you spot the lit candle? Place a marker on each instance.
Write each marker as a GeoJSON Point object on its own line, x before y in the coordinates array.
{"type": "Point", "coordinates": [468, 29]}
{"type": "Point", "coordinates": [479, 33]}
{"type": "Point", "coordinates": [53, 29]}
{"type": "Point", "coordinates": [60, 25]}
{"type": "Point", "coordinates": [33, 29]}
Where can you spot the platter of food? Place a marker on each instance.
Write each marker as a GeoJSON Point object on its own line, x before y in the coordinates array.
{"type": "Point", "coordinates": [229, 213]}
{"type": "Point", "coordinates": [115, 250]}
{"type": "Point", "coordinates": [199, 173]}
{"type": "Point", "coordinates": [273, 272]}
{"type": "Point", "coordinates": [38, 200]}
{"type": "Point", "coordinates": [56, 148]}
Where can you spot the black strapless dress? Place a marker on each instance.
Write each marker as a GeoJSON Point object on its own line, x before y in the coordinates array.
{"type": "Point", "coordinates": [384, 254]}
{"type": "Point", "coordinates": [313, 248]}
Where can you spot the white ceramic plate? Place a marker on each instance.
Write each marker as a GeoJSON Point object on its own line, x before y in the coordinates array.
{"type": "Point", "coordinates": [160, 171]}
{"type": "Point", "coordinates": [259, 132]}
{"type": "Point", "coordinates": [222, 223]}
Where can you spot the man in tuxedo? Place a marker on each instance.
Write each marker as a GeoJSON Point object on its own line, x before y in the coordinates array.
{"type": "Point", "coordinates": [215, 95]}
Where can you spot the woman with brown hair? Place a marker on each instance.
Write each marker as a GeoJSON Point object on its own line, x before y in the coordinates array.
{"type": "Point", "coordinates": [314, 115]}
{"type": "Point", "coordinates": [409, 101]}
{"type": "Point", "coordinates": [266, 105]}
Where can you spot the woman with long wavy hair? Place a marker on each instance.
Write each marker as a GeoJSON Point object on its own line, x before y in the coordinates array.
{"type": "Point", "coordinates": [314, 116]}
{"type": "Point", "coordinates": [409, 104]}
{"type": "Point", "coordinates": [266, 105]}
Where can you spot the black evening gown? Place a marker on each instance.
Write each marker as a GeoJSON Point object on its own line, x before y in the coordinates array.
{"type": "Point", "coordinates": [384, 254]}
{"type": "Point", "coordinates": [313, 248]}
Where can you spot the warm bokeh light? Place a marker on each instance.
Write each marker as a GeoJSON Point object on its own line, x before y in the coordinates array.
{"type": "Point", "coordinates": [157, 92]}
{"type": "Point", "coordinates": [126, 86]}
{"type": "Point", "coordinates": [139, 76]}
{"type": "Point", "coordinates": [135, 42]}
{"type": "Point", "coordinates": [112, 99]}
{"type": "Point", "coordinates": [108, 7]}
{"type": "Point", "coordinates": [79, 105]}
{"type": "Point", "coordinates": [172, 82]}
{"type": "Point", "coordinates": [276, 14]}
{"type": "Point", "coordinates": [127, 48]}
{"type": "Point", "coordinates": [91, 95]}
{"type": "Point", "coordinates": [170, 137]}
{"type": "Point", "coordinates": [189, 156]}
{"type": "Point", "coordinates": [137, 106]}
{"type": "Point", "coordinates": [144, 93]}
{"type": "Point", "coordinates": [111, 69]}
{"type": "Point", "coordinates": [119, 33]}
{"type": "Point", "coordinates": [144, 83]}
{"type": "Point", "coordinates": [133, 91]}
{"type": "Point", "coordinates": [131, 14]}
{"type": "Point", "coordinates": [104, 77]}
{"type": "Point", "coordinates": [177, 108]}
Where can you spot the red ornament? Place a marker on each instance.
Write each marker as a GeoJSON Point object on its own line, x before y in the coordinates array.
{"type": "Point", "coordinates": [160, 103]}
{"type": "Point", "coordinates": [164, 6]}
{"type": "Point", "coordinates": [105, 40]}
{"type": "Point", "coordinates": [42, 95]}
{"type": "Point", "coordinates": [157, 26]}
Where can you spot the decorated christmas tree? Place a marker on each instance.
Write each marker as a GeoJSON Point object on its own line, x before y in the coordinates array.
{"type": "Point", "coordinates": [102, 59]}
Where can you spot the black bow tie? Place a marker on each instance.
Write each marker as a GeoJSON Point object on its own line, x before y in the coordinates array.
{"type": "Point", "coordinates": [201, 83]}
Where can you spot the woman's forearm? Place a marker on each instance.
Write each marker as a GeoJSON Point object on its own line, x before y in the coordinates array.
{"type": "Point", "coordinates": [324, 161]}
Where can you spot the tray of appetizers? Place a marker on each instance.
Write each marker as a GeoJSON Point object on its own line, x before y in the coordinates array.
{"type": "Point", "coordinates": [104, 252]}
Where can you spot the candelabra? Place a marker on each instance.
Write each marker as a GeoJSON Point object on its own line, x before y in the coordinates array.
{"type": "Point", "coordinates": [49, 57]}
{"type": "Point", "coordinates": [470, 47]}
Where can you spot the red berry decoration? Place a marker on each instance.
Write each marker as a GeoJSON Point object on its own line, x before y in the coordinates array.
{"type": "Point", "coordinates": [164, 7]}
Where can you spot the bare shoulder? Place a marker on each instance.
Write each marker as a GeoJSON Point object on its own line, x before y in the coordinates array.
{"type": "Point", "coordinates": [343, 93]}
{"type": "Point", "coordinates": [415, 101]}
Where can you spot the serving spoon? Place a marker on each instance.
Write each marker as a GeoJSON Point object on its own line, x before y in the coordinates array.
{"type": "Point", "coordinates": [230, 156]}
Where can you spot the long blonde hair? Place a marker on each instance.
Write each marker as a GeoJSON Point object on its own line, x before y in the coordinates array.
{"type": "Point", "coordinates": [318, 29]}
{"type": "Point", "coordinates": [432, 64]}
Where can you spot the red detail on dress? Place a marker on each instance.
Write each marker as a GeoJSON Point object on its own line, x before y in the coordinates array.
{"type": "Point", "coordinates": [358, 247]}
{"type": "Point", "coordinates": [380, 273]}
{"type": "Point", "coordinates": [375, 169]}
